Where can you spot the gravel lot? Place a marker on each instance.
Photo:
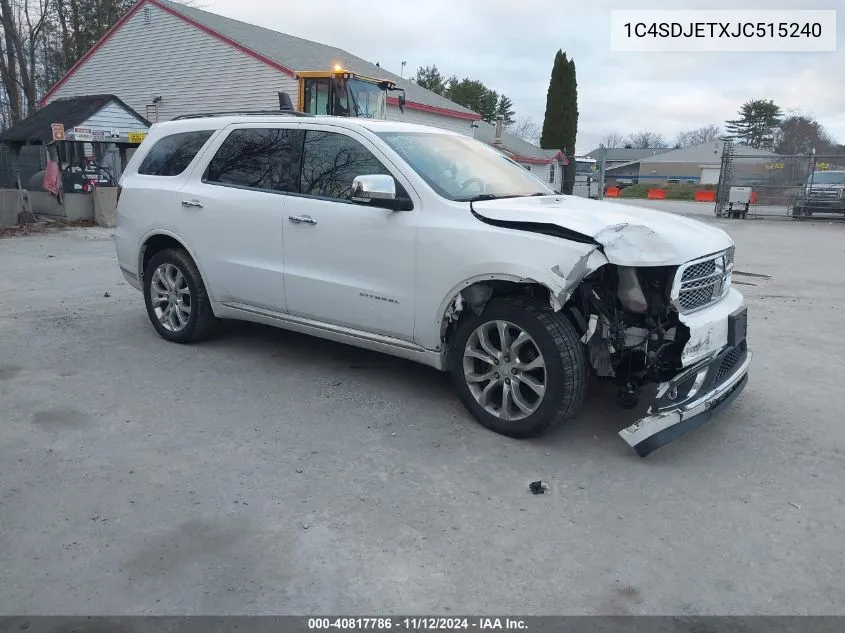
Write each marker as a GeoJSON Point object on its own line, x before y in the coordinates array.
{"type": "Point", "coordinates": [268, 472]}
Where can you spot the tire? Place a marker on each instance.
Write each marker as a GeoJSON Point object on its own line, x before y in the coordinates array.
{"type": "Point", "coordinates": [175, 266]}
{"type": "Point", "coordinates": [564, 375]}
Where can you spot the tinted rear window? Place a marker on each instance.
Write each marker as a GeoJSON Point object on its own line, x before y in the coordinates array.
{"type": "Point", "coordinates": [258, 158]}
{"type": "Point", "coordinates": [171, 155]}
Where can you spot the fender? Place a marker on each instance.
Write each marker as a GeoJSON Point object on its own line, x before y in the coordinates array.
{"type": "Point", "coordinates": [559, 280]}
{"type": "Point", "coordinates": [142, 248]}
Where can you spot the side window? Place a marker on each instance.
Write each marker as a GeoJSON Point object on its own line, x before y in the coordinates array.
{"type": "Point", "coordinates": [171, 155]}
{"type": "Point", "coordinates": [330, 162]}
{"type": "Point", "coordinates": [258, 158]}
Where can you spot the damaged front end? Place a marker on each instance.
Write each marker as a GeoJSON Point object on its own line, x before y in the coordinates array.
{"type": "Point", "coordinates": [681, 328]}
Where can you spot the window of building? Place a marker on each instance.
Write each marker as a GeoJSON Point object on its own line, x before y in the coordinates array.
{"type": "Point", "coordinates": [258, 158]}
{"type": "Point", "coordinates": [171, 155]}
{"type": "Point", "coordinates": [551, 173]}
{"type": "Point", "coordinates": [331, 161]}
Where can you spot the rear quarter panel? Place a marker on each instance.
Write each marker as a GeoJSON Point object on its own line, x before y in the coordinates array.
{"type": "Point", "coordinates": [151, 205]}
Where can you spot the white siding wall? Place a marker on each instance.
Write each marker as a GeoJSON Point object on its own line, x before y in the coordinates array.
{"type": "Point", "coordinates": [141, 61]}
{"type": "Point", "coordinates": [114, 117]}
{"type": "Point", "coordinates": [463, 126]}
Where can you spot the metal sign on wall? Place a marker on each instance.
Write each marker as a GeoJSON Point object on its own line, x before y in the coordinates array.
{"type": "Point", "coordinates": [83, 134]}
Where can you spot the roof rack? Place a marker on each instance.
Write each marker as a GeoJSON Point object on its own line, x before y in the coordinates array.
{"type": "Point", "coordinates": [202, 115]}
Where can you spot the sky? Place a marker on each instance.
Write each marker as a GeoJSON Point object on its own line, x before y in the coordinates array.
{"type": "Point", "coordinates": [512, 51]}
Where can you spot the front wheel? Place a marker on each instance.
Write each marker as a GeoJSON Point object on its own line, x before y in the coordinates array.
{"type": "Point", "coordinates": [518, 368]}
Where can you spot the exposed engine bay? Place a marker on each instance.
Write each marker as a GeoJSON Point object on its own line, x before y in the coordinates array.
{"type": "Point", "coordinates": [631, 329]}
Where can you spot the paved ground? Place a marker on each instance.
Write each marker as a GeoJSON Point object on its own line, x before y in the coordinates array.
{"type": "Point", "coordinates": [266, 472]}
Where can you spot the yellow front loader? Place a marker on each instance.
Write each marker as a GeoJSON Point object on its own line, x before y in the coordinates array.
{"type": "Point", "coordinates": [340, 92]}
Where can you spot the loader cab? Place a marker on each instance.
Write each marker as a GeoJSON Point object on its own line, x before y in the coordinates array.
{"type": "Point", "coordinates": [342, 93]}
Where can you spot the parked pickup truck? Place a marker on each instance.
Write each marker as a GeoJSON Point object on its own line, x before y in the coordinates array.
{"type": "Point", "coordinates": [824, 192]}
{"type": "Point", "coordinates": [431, 246]}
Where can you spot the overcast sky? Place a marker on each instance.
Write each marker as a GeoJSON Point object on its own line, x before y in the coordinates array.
{"type": "Point", "coordinates": [512, 51]}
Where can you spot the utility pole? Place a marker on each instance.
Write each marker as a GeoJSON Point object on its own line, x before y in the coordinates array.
{"type": "Point", "coordinates": [402, 74]}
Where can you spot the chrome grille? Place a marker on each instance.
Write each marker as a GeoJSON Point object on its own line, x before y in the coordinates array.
{"type": "Point", "coordinates": [702, 269]}
{"type": "Point", "coordinates": [820, 193]}
{"type": "Point", "coordinates": [703, 282]}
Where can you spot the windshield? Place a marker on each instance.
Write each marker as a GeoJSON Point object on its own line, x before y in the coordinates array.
{"type": "Point", "coordinates": [829, 178]}
{"type": "Point", "coordinates": [460, 168]}
{"type": "Point", "coordinates": [367, 98]}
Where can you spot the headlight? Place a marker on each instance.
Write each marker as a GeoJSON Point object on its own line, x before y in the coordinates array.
{"type": "Point", "coordinates": [630, 292]}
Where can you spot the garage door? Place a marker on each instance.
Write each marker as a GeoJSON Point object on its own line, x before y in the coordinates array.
{"type": "Point", "coordinates": [710, 175]}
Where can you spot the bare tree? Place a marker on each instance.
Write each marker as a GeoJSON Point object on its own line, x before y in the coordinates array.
{"type": "Point", "coordinates": [699, 135]}
{"type": "Point", "coordinates": [41, 39]}
{"type": "Point", "coordinates": [646, 140]}
{"type": "Point", "coordinates": [612, 140]}
{"type": "Point", "coordinates": [526, 129]}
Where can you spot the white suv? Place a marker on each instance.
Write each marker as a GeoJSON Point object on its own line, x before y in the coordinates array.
{"type": "Point", "coordinates": [434, 247]}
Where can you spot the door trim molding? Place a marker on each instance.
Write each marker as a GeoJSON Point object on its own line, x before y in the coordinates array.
{"type": "Point", "coordinates": [338, 333]}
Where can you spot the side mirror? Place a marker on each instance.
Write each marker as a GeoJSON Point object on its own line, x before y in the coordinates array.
{"type": "Point", "coordinates": [373, 187]}
{"type": "Point", "coordinates": [378, 190]}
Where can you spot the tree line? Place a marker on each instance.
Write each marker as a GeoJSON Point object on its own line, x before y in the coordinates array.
{"type": "Point", "coordinates": [760, 123]}
{"type": "Point", "coordinates": [470, 93]}
{"type": "Point", "coordinates": [40, 40]}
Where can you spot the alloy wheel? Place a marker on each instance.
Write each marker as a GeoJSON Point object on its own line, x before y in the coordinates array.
{"type": "Point", "coordinates": [171, 297]}
{"type": "Point", "coordinates": [504, 370]}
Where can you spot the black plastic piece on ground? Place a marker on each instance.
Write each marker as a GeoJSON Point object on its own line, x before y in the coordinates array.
{"type": "Point", "coordinates": [537, 487]}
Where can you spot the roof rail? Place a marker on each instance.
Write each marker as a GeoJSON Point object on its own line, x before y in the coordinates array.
{"type": "Point", "coordinates": [201, 115]}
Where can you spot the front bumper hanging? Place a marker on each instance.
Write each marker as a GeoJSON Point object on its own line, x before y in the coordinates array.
{"type": "Point", "coordinates": [691, 399]}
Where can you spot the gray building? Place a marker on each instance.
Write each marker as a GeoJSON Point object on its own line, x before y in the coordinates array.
{"type": "Point", "coordinates": [623, 161]}
{"type": "Point", "coordinates": [165, 59]}
{"type": "Point", "coordinates": [699, 164]}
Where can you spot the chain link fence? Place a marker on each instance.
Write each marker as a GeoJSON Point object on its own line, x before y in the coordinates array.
{"type": "Point", "coordinates": [797, 186]}
{"type": "Point", "coordinates": [589, 177]}
{"type": "Point", "coordinates": [25, 164]}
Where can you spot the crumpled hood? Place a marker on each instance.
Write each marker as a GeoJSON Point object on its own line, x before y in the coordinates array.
{"type": "Point", "coordinates": [629, 235]}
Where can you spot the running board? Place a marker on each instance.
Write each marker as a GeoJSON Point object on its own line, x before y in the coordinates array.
{"type": "Point", "coordinates": [341, 334]}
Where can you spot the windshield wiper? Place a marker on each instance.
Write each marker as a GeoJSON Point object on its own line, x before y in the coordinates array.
{"type": "Point", "coordinates": [492, 196]}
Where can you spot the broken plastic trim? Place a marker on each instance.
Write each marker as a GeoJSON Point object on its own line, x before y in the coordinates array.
{"type": "Point", "coordinates": [666, 424]}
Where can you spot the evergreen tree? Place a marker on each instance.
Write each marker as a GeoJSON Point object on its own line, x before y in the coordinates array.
{"type": "Point", "coordinates": [756, 124]}
{"type": "Point", "coordinates": [429, 77]}
{"type": "Point", "coordinates": [560, 125]}
{"type": "Point", "coordinates": [505, 109]}
{"type": "Point", "coordinates": [474, 95]}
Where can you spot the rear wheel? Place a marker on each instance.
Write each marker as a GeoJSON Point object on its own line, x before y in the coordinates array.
{"type": "Point", "coordinates": [176, 299]}
{"type": "Point", "coordinates": [518, 368]}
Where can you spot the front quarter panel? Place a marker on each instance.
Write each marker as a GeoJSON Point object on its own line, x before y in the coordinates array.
{"type": "Point", "coordinates": [455, 250]}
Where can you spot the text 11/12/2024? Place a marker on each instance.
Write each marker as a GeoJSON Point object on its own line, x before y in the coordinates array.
{"type": "Point", "coordinates": [417, 624]}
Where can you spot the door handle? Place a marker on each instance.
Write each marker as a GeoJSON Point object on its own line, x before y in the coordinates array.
{"type": "Point", "coordinates": [193, 204]}
{"type": "Point", "coordinates": [302, 219]}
